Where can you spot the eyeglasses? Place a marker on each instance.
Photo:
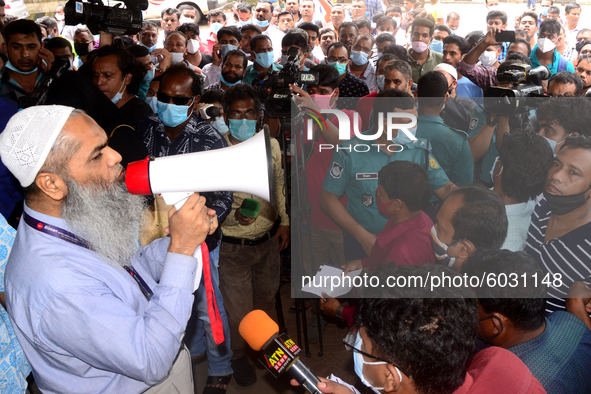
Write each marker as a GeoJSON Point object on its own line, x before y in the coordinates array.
{"type": "Point", "coordinates": [178, 100]}
{"type": "Point", "coordinates": [349, 342]}
{"type": "Point", "coordinates": [332, 59]}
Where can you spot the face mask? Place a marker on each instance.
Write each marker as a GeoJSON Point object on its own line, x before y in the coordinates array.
{"type": "Point", "coordinates": [242, 23]}
{"type": "Point", "coordinates": [492, 170]}
{"type": "Point", "coordinates": [215, 27]}
{"type": "Point", "coordinates": [11, 67]}
{"type": "Point", "coordinates": [440, 249]}
{"type": "Point", "coordinates": [150, 49]}
{"type": "Point", "coordinates": [149, 76]}
{"type": "Point", "coordinates": [397, 20]}
{"type": "Point", "coordinates": [437, 46]}
{"type": "Point", "coordinates": [418, 46]}
{"type": "Point", "coordinates": [184, 19]}
{"type": "Point", "coordinates": [228, 83]}
{"type": "Point", "coordinates": [545, 11]}
{"type": "Point", "coordinates": [153, 103]}
{"type": "Point", "coordinates": [341, 68]}
{"type": "Point", "coordinates": [561, 205]}
{"type": "Point", "coordinates": [220, 125]}
{"type": "Point", "coordinates": [119, 94]}
{"type": "Point", "coordinates": [494, 8]}
{"type": "Point", "coordinates": [491, 338]}
{"type": "Point", "coordinates": [265, 59]}
{"type": "Point", "coordinates": [360, 58]}
{"type": "Point", "coordinates": [380, 81]}
{"type": "Point", "coordinates": [383, 208]}
{"type": "Point", "coordinates": [546, 45]}
{"type": "Point", "coordinates": [554, 143]}
{"type": "Point", "coordinates": [227, 48]}
{"type": "Point", "coordinates": [323, 100]}
{"type": "Point", "coordinates": [193, 46]}
{"type": "Point", "coordinates": [177, 58]}
{"type": "Point", "coordinates": [402, 138]}
{"type": "Point", "coordinates": [242, 129]}
{"type": "Point", "coordinates": [454, 32]}
{"type": "Point", "coordinates": [359, 362]}
{"type": "Point", "coordinates": [81, 48]}
{"type": "Point", "coordinates": [173, 115]}
{"type": "Point", "coordinates": [60, 17]}
{"type": "Point", "coordinates": [264, 23]}
{"type": "Point", "coordinates": [488, 58]}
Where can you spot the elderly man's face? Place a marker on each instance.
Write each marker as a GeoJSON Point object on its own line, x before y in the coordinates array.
{"type": "Point", "coordinates": [23, 51]}
{"type": "Point", "coordinates": [149, 36]}
{"type": "Point", "coordinates": [107, 76]}
{"type": "Point", "coordinates": [94, 160]}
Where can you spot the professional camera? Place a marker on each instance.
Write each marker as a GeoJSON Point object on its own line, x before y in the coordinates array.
{"type": "Point", "coordinates": [517, 99]}
{"type": "Point", "coordinates": [112, 20]}
{"type": "Point", "coordinates": [273, 87]}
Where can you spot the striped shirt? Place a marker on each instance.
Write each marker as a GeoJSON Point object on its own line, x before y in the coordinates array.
{"type": "Point", "coordinates": [568, 255]}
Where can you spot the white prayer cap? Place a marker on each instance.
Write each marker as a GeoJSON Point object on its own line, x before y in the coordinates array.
{"type": "Point", "coordinates": [28, 137]}
{"type": "Point", "coordinates": [448, 68]}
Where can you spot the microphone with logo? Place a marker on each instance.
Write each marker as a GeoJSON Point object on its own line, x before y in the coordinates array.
{"type": "Point", "coordinates": [279, 354]}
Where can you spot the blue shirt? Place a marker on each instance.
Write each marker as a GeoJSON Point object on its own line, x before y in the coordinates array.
{"type": "Point", "coordinates": [469, 89]}
{"type": "Point", "coordinates": [554, 65]}
{"type": "Point", "coordinates": [560, 357]}
{"type": "Point", "coordinates": [86, 326]}
{"type": "Point", "coordinates": [14, 367]}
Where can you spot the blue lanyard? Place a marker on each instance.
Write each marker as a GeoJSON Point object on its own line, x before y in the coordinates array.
{"type": "Point", "coordinates": [67, 236]}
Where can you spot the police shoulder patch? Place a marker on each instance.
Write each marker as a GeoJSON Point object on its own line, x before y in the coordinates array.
{"type": "Point", "coordinates": [433, 163]}
{"type": "Point", "coordinates": [473, 123]}
{"type": "Point", "coordinates": [336, 170]}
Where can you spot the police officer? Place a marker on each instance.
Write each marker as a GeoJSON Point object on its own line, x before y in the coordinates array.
{"type": "Point", "coordinates": [354, 171]}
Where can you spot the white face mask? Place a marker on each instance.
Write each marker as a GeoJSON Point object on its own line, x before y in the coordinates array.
{"type": "Point", "coordinates": [177, 57]}
{"type": "Point", "coordinates": [60, 17]}
{"type": "Point", "coordinates": [184, 19]}
{"type": "Point", "coordinates": [193, 46]}
{"type": "Point", "coordinates": [488, 58]}
{"type": "Point", "coordinates": [546, 45]}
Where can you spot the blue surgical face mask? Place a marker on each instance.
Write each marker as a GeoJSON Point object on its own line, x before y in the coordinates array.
{"type": "Point", "coordinates": [264, 23]}
{"type": "Point", "coordinates": [402, 139]}
{"type": "Point", "coordinates": [227, 48]}
{"type": "Point", "coordinates": [173, 115]}
{"type": "Point", "coordinates": [11, 67]}
{"type": "Point", "coordinates": [359, 362]}
{"type": "Point", "coordinates": [380, 81]}
{"type": "Point", "coordinates": [119, 95]}
{"type": "Point", "coordinates": [228, 83]}
{"type": "Point", "coordinates": [150, 49]}
{"type": "Point", "coordinates": [215, 27]}
{"type": "Point", "coordinates": [220, 125]}
{"type": "Point", "coordinates": [265, 59]}
{"type": "Point", "coordinates": [242, 129]}
{"type": "Point", "coordinates": [341, 68]}
{"type": "Point", "coordinates": [440, 249]}
{"type": "Point", "coordinates": [360, 58]}
{"type": "Point", "coordinates": [437, 46]}
{"type": "Point", "coordinates": [553, 144]}
{"type": "Point", "coordinates": [153, 103]}
{"type": "Point", "coordinates": [149, 76]}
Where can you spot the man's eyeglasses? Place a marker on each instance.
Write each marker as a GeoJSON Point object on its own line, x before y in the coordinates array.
{"type": "Point", "coordinates": [332, 59]}
{"type": "Point", "coordinates": [349, 342]}
{"type": "Point", "coordinates": [178, 100]}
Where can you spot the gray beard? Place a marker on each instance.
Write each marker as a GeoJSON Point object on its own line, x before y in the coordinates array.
{"type": "Point", "coordinates": [107, 216]}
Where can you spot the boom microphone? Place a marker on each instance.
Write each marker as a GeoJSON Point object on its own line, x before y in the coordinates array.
{"type": "Point", "coordinates": [279, 352]}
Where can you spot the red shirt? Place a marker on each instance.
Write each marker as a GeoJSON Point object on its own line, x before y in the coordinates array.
{"type": "Point", "coordinates": [364, 107]}
{"type": "Point", "coordinates": [406, 243]}
{"type": "Point", "coordinates": [316, 169]}
{"type": "Point", "coordinates": [496, 370]}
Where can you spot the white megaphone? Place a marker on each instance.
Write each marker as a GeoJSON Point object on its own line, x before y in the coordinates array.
{"type": "Point", "coordinates": [246, 167]}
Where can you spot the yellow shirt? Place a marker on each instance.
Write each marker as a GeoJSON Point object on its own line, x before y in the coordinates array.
{"type": "Point", "coordinates": [267, 214]}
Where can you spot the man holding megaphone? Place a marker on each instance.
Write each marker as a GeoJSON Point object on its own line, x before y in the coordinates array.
{"type": "Point", "coordinates": [175, 130]}
{"type": "Point", "coordinates": [254, 234]}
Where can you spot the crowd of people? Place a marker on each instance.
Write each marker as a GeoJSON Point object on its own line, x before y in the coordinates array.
{"type": "Point", "coordinates": [107, 292]}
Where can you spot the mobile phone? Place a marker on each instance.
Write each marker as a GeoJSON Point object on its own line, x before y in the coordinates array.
{"type": "Point", "coordinates": [505, 36]}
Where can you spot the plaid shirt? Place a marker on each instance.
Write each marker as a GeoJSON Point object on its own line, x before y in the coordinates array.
{"type": "Point", "coordinates": [503, 54]}
{"type": "Point", "coordinates": [197, 136]}
{"type": "Point", "coordinates": [570, 54]}
{"type": "Point", "coordinates": [374, 6]}
{"type": "Point", "coordinates": [10, 89]}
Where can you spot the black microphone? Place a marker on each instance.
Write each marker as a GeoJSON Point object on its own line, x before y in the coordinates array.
{"type": "Point", "coordinates": [279, 353]}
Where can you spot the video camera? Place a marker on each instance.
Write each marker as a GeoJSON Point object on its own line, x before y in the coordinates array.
{"type": "Point", "coordinates": [273, 87]}
{"type": "Point", "coordinates": [517, 99]}
{"type": "Point", "coordinates": [112, 20]}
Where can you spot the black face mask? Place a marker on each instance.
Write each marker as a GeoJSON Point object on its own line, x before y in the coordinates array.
{"type": "Point", "coordinates": [561, 205]}
{"type": "Point", "coordinates": [491, 338]}
{"type": "Point", "coordinates": [81, 48]}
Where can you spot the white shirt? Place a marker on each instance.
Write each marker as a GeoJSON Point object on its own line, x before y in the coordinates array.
{"type": "Point", "coordinates": [276, 36]}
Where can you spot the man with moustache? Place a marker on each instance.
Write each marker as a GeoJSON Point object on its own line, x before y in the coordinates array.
{"type": "Point", "coordinates": [559, 235]}
{"type": "Point", "coordinates": [92, 311]}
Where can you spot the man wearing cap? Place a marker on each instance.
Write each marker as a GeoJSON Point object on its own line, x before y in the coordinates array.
{"type": "Point", "coordinates": [93, 312]}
